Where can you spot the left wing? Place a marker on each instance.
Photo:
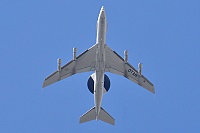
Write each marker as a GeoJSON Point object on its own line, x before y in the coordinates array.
{"type": "Point", "coordinates": [84, 62]}
{"type": "Point", "coordinates": [116, 64]}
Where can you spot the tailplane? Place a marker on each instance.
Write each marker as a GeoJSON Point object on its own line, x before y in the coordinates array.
{"type": "Point", "coordinates": [104, 116]}
{"type": "Point", "coordinates": [88, 116]}
{"type": "Point", "coordinates": [91, 115]}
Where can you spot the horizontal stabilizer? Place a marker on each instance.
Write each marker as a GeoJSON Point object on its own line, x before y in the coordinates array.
{"type": "Point", "coordinates": [91, 115]}
{"type": "Point", "coordinates": [88, 116]}
{"type": "Point", "coordinates": [104, 116]}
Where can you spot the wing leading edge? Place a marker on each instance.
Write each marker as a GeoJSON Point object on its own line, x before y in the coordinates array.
{"type": "Point", "coordinates": [117, 65]}
{"type": "Point", "coordinates": [85, 62]}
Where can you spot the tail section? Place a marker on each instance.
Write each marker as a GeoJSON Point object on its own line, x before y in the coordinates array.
{"type": "Point", "coordinates": [91, 115]}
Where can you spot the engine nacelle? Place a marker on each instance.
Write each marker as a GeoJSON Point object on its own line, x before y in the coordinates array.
{"type": "Point", "coordinates": [90, 83]}
{"type": "Point", "coordinates": [140, 68]}
{"type": "Point", "coordinates": [74, 53]}
{"type": "Point", "coordinates": [59, 64]}
{"type": "Point", "coordinates": [126, 56]}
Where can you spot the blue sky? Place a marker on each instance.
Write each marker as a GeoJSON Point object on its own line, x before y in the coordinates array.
{"type": "Point", "coordinates": [163, 35]}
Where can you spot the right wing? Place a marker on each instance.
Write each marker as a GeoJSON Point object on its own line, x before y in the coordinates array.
{"type": "Point", "coordinates": [116, 64]}
{"type": "Point", "coordinates": [84, 62]}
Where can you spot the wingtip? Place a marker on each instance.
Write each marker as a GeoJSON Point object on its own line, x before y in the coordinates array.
{"type": "Point", "coordinates": [44, 85]}
{"type": "Point", "coordinates": [153, 90]}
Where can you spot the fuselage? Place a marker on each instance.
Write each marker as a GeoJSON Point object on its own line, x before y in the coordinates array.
{"type": "Point", "coordinates": [100, 60]}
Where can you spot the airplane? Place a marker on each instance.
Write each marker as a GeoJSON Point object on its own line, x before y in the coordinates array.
{"type": "Point", "coordinates": [99, 59]}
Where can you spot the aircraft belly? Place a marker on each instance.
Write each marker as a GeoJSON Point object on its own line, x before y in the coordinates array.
{"type": "Point", "coordinates": [98, 93]}
{"type": "Point", "coordinates": [100, 64]}
{"type": "Point", "coordinates": [99, 80]}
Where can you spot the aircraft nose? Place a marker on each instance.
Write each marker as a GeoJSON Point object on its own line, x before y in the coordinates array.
{"type": "Point", "coordinates": [102, 8]}
{"type": "Point", "coordinates": [102, 12]}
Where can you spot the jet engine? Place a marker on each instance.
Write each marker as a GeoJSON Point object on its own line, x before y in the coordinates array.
{"type": "Point", "coordinates": [90, 83]}
{"type": "Point", "coordinates": [140, 69]}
